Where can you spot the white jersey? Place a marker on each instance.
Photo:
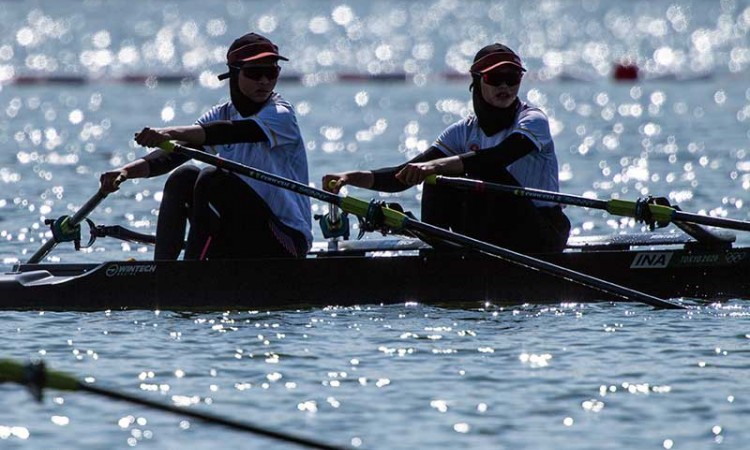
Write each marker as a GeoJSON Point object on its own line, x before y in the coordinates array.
{"type": "Point", "coordinates": [284, 155]}
{"type": "Point", "coordinates": [538, 169]}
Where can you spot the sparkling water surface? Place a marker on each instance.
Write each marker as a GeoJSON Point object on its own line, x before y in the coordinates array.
{"type": "Point", "coordinates": [399, 376]}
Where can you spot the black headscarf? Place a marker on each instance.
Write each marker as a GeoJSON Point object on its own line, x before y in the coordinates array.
{"type": "Point", "coordinates": [241, 102]}
{"type": "Point", "coordinates": [491, 118]}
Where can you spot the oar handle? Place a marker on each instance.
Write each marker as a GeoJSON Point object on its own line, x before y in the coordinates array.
{"type": "Point", "coordinates": [168, 146]}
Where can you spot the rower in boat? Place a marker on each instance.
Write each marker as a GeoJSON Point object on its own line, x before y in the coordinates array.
{"type": "Point", "coordinates": [231, 216]}
{"type": "Point", "coordinates": [505, 141]}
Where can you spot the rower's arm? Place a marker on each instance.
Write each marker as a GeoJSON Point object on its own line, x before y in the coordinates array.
{"type": "Point", "coordinates": [480, 164]}
{"type": "Point", "coordinates": [159, 162]}
{"type": "Point", "coordinates": [110, 180]}
{"type": "Point", "coordinates": [219, 132]}
{"type": "Point", "coordinates": [188, 134]}
{"type": "Point", "coordinates": [137, 169]}
{"type": "Point", "coordinates": [384, 180]}
{"type": "Point", "coordinates": [232, 132]}
{"type": "Point", "coordinates": [513, 148]}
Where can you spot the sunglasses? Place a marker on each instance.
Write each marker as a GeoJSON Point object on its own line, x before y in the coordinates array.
{"type": "Point", "coordinates": [255, 73]}
{"type": "Point", "coordinates": [497, 78]}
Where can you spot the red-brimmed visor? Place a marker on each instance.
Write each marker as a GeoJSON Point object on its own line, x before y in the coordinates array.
{"type": "Point", "coordinates": [495, 60]}
{"type": "Point", "coordinates": [252, 52]}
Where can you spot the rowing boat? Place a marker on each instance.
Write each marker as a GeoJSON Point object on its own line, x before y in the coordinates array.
{"type": "Point", "coordinates": [384, 271]}
{"type": "Point", "coordinates": [699, 263]}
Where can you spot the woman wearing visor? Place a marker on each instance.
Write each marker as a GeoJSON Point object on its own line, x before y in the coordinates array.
{"type": "Point", "coordinates": [505, 141]}
{"type": "Point", "coordinates": [232, 216]}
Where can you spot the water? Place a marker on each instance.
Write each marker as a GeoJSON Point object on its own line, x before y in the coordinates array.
{"type": "Point", "coordinates": [593, 376]}
{"type": "Point", "coordinates": [402, 376]}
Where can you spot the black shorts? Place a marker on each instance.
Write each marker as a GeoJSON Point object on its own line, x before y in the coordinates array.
{"type": "Point", "coordinates": [500, 219]}
{"type": "Point", "coordinates": [227, 218]}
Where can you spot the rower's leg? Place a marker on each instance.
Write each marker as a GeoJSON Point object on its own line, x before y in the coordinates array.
{"type": "Point", "coordinates": [514, 222]}
{"type": "Point", "coordinates": [174, 212]}
{"type": "Point", "coordinates": [252, 230]}
{"type": "Point", "coordinates": [204, 216]}
{"type": "Point", "coordinates": [230, 220]}
{"type": "Point", "coordinates": [441, 205]}
{"type": "Point", "coordinates": [555, 229]}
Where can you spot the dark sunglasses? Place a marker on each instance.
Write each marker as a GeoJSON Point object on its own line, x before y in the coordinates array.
{"type": "Point", "coordinates": [498, 78]}
{"type": "Point", "coordinates": [255, 73]}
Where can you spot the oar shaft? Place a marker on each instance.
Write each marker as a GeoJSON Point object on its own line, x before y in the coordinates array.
{"type": "Point", "coordinates": [241, 426]}
{"type": "Point", "coordinates": [37, 377]}
{"type": "Point", "coordinates": [43, 251]}
{"type": "Point", "coordinates": [534, 194]}
{"type": "Point", "coordinates": [711, 221]}
{"type": "Point", "coordinates": [540, 265]}
{"type": "Point", "coordinates": [626, 208]}
{"type": "Point", "coordinates": [122, 233]}
{"type": "Point", "coordinates": [73, 221]}
{"type": "Point", "coordinates": [88, 207]}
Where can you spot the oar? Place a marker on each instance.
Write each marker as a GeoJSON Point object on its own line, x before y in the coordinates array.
{"type": "Point", "coordinates": [659, 213]}
{"type": "Point", "coordinates": [36, 377]}
{"type": "Point", "coordinates": [68, 225]}
{"type": "Point", "coordinates": [398, 220]}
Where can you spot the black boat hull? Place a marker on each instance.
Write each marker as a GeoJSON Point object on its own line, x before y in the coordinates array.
{"type": "Point", "coordinates": [429, 277]}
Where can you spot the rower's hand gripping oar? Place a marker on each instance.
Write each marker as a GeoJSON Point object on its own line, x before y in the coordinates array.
{"type": "Point", "coordinates": [36, 377]}
{"type": "Point", "coordinates": [400, 221]}
{"type": "Point", "coordinates": [67, 228]}
{"type": "Point", "coordinates": [643, 211]}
